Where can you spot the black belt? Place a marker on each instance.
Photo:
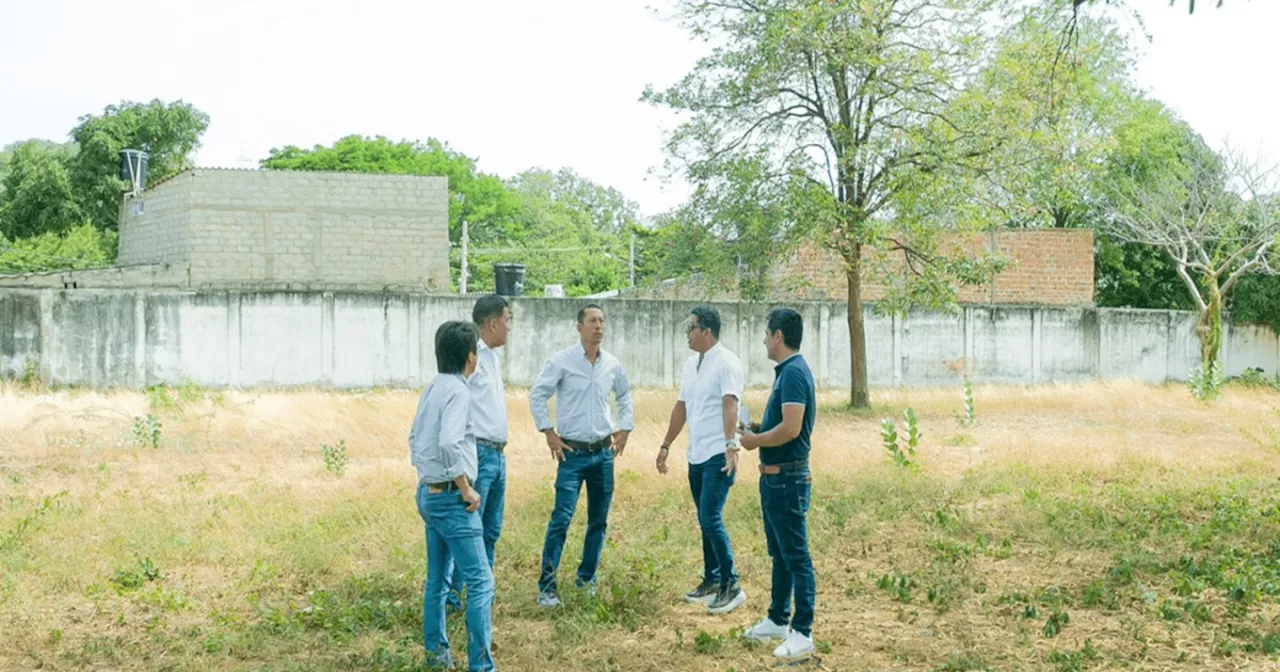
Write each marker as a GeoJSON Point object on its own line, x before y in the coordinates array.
{"type": "Point", "coordinates": [492, 445]}
{"type": "Point", "coordinates": [449, 486]}
{"type": "Point", "coordinates": [783, 467]}
{"type": "Point", "coordinates": [589, 447]}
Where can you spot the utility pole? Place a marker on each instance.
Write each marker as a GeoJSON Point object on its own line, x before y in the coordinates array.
{"type": "Point", "coordinates": [632, 263]}
{"type": "Point", "coordinates": [462, 276]}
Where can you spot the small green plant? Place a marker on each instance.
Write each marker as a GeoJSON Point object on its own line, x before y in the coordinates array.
{"type": "Point", "coordinates": [335, 457]}
{"type": "Point", "coordinates": [889, 437]}
{"type": "Point", "coordinates": [30, 379]}
{"type": "Point", "coordinates": [1057, 621]}
{"type": "Point", "coordinates": [899, 586]}
{"type": "Point", "coordinates": [135, 577]}
{"type": "Point", "coordinates": [707, 643]}
{"type": "Point", "coordinates": [969, 416]}
{"type": "Point", "coordinates": [12, 537]}
{"type": "Point", "coordinates": [1074, 661]}
{"type": "Point", "coordinates": [913, 430]}
{"type": "Point", "coordinates": [146, 431]}
{"type": "Point", "coordinates": [1206, 386]}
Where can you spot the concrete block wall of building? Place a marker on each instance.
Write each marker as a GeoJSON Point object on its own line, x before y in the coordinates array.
{"type": "Point", "coordinates": [300, 230]}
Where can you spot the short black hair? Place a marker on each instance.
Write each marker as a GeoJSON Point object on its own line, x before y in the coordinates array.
{"type": "Point", "coordinates": [455, 340]}
{"type": "Point", "coordinates": [582, 314]}
{"type": "Point", "coordinates": [708, 318]}
{"type": "Point", "coordinates": [487, 308]}
{"type": "Point", "coordinates": [789, 322]}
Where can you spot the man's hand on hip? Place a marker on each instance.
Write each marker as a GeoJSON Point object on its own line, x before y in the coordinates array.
{"type": "Point", "coordinates": [472, 499]}
{"type": "Point", "coordinates": [556, 445]}
{"type": "Point", "coordinates": [620, 442]}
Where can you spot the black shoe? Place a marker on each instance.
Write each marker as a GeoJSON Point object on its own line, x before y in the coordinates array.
{"type": "Point", "coordinates": [729, 598]}
{"type": "Point", "coordinates": [703, 594]}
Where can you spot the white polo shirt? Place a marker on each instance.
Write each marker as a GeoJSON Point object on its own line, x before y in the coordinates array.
{"type": "Point", "coordinates": [702, 389]}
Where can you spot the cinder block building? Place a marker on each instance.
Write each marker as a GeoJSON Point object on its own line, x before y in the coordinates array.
{"type": "Point", "coordinates": [277, 230]}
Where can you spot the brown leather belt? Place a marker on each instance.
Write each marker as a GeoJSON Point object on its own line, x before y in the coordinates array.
{"type": "Point", "coordinates": [589, 447]}
{"type": "Point", "coordinates": [775, 469]}
{"type": "Point", "coordinates": [447, 486]}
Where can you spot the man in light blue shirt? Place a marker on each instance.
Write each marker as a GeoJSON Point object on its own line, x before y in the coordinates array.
{"type": "Point", "coordinates": [492, 315]}
{"type": "Point", "coordinates": [584, 440]}
{"type": "Point", "coordinates": [443, 451]}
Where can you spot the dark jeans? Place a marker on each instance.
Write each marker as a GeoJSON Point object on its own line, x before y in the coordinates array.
{"type": "Point", "coordinates": [710, 488]}
{"type": "Point", "coordinates": [784, 500]}
{"type": "Point", "coordinates": [596, 470]}
{"type": "Point", "coordinates": [491, 484]}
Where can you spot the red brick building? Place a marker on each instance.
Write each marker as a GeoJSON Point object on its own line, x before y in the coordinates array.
{"type": "Point", "coordinates": [1051, 267]}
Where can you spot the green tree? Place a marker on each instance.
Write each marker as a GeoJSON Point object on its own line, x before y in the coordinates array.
{"type": "Point", "coordinates": [1217, 220]}
{"type": "Point", "coordinates": [570, 231]}
{"type": "Point", "coordinates": [36, 195]}
{"type": "Point", "coordinates": [480, 199]}
{"type": "Point", "coordinates": [81, 246]}
{"type": "Point", "coordinates": [1054, 126]}
{"type": "Point", "coordinates": [739, 222]}
{"type": "Point", "coordinates": [169, 132]}
{"type": "Point", "coordinates": [854, 95]}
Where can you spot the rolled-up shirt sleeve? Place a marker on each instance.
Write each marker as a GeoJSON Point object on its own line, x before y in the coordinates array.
{"type": "Point", "coordinates": [622, 391]}
{"type": "Point", "coordinates": [541, 392]}
{"type": "Point", "coordinates": [453, 432]}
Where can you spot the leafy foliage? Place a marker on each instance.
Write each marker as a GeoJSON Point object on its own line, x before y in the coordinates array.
{"type": "Point", "coordinates": [568, 231]}
{"type": "Point", "coordinates": [37, 196]}
{"type": "Point", "coordinates": [335, 457]}
{"type": "Point", "coordinates": [169, 132]}
{"type": "Point", "coordinates": [83, 246]}
{"type": "Point", "coordinates": [480, 199]}
{"type": "Point", "coordinates": [850, 97]}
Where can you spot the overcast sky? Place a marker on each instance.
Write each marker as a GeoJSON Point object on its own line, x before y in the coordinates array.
{"type": "Point", "coordinates": [517, 84]}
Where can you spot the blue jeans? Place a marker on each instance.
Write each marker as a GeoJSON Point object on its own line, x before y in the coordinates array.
{"type": "Point", "coordinates": [491, 483]}
{"type": "Point", "coordinates": [578, 467]}
{"type": "Point", "coordinates": [453, 532]}
{"type": "Point", "coordinates": [784, 501]}
{"type": "Point", "coordinates": [710, 488]}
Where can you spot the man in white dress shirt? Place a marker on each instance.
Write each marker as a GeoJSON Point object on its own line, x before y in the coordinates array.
{"type": "Point", "coordinates": [584, 441]}
{"type": "Point", "coordinates": [710, 388]}
{"type": "Point", "coordinates": [492, 316]}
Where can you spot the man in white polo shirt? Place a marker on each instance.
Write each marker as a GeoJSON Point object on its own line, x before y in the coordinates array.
{"type": "Point", "coordinates": [710, 388]}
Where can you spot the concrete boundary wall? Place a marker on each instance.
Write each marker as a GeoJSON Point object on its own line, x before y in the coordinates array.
{"type": "Point", "coordinates": [109, 338]}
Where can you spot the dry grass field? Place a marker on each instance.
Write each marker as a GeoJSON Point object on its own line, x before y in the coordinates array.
{"type": "Point", "coordinates": [1100, 526]}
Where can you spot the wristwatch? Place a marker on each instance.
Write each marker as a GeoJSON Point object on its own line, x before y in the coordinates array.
{"type": "Point", "coordinates": [732, 444]}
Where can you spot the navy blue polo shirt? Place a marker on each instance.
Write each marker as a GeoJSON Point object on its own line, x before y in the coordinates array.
{"type": "Point", "coordinates": [792, 384]}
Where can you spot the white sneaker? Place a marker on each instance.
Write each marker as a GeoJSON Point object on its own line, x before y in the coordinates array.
{"type": "Point", "coordinates": [795, 645]}
{"type": "Point", "coordinates": [765, 631]}
{"type": "Point", "coordinates": [548, 600]}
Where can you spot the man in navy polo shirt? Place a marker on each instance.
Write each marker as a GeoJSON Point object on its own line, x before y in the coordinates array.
{"type": "Point", "coordinates": [785, 487]}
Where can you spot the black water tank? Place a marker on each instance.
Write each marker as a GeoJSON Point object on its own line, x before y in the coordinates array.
{"type": "Point", "coordinates": [509, 279]}
{"type": "Point", "coordinates": [133, 162]}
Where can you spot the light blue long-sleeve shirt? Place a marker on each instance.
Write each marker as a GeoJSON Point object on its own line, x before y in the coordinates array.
{"type": "Point", "coordinates": [582, 395]}
{"type": "Point", "coordinates": [442, 441]}
{"type": "Point", "coordinates": [488, 398]}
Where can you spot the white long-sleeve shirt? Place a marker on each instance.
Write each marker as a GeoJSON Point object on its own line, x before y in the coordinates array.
{"type": "Point", "coordinates": [442, 442]}
{"type": "Point", "coordinates": [488, 399]}
{"type": "Point", "coordinates": [582, 395]}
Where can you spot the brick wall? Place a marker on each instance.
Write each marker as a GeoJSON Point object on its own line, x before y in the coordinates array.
{"type": "Point", "coordinates": [1046, 267]}
{"type": "Point", "coordinates": [153, 225]}
{"type": "Point", "coordinates": [295, 229]}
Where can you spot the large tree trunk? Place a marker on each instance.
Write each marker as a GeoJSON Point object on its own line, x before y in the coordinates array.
{"type": "Point", "coordinates": [859, 395]}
